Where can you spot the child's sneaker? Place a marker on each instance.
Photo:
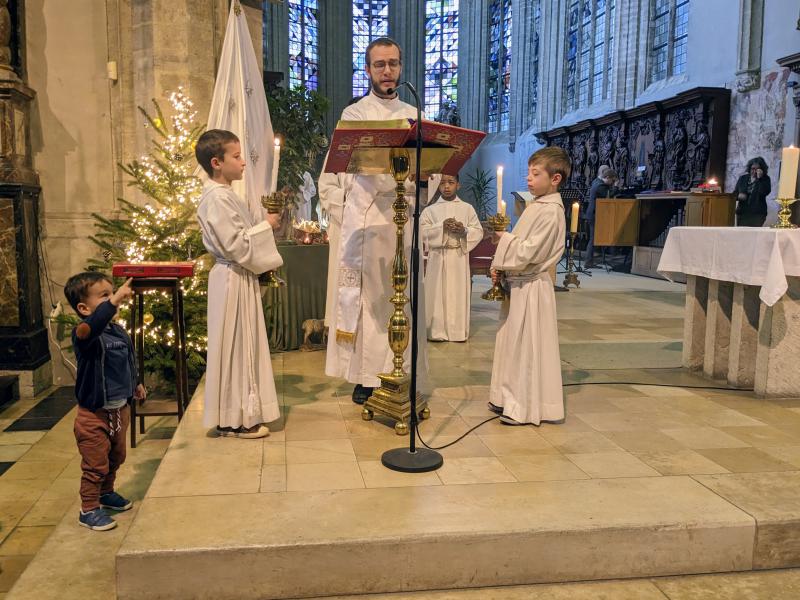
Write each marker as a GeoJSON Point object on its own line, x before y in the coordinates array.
{"type": "Point", "coordinates": [114, 501]}
{"type": "Point", "coordinates": [498, 410]}
{"type": "Point", "coordinates": [247, 433]}
{"type": "Point", "coordinates": [96, 520]}
{"type": "Point", "coordinates": [509, 421]}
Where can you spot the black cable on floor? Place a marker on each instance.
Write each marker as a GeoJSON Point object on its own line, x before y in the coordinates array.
{"type": "Point", "coordinates": [419, 436]}
{"type": "Point", "coordinates": [691, 387]}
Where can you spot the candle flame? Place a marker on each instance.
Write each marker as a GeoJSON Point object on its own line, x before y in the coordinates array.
{"type": "Point", "coordinates": [277, 142]}
{"type": "Point", "coordinates": [500, 170]}
{"type": "Point", "coordinates": [712, 181]}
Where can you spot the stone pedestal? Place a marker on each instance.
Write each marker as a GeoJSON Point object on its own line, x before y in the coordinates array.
{"type": "Point", "coordinates": [776, 372]}
{"type": "Point", "coordinates": [694, 325]}
{"type": "Point", "coordinates": [718, 328]}
{"type": "Point", "coordinates": [744, 335]}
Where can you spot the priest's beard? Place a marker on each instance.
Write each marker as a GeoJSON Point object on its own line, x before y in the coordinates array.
{"type": "Point", "coordinates": [377, 89]}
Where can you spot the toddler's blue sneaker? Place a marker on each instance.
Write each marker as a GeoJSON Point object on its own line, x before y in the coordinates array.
{"type": "Point", "coordinates": [96, 520]}
{"type": "Point", "coordinates": [114, 501]}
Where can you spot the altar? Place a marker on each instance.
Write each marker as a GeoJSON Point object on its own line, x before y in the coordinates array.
{"type": "Point", "coordinates": [742, 312]}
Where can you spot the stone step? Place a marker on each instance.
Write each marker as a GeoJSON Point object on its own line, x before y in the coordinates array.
{"type": "Point", "coordinates": [293, 544]}
{"type": "Point", "coordinates": [9, 389]}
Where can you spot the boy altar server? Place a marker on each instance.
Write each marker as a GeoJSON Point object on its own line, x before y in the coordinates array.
{"type": "Point", "coordinates": [526, 371]}
{"type": "Point", "coordinates": [240, 392]}
{"type": "Point", "coordinates": [450, 229]}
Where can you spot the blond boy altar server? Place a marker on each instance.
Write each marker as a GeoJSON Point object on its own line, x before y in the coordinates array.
{"type": "Point", "coordinates": [358, 347]}
{"type": "Point", "coordinates": [450, 229]}
{"type": "Point", "coordinates": [240, 390]}
{"type": "Point", "coordinates": [526, 372]}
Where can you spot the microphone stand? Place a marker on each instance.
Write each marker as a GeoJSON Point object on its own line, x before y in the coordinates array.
{"type": "Point", "coordinates": [413, 459]}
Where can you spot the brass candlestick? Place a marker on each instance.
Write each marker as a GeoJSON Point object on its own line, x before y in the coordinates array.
{"type": "Point", "coordinates": [274, 203]}
{"type": "Point", "coordinates": [784, 214]}
{"type": "Point", "coordinates": [496, 293]}
{"type": "Point", "coordinates": [392, 397]}
{"type": "Point", "coordinates": [572, 275]}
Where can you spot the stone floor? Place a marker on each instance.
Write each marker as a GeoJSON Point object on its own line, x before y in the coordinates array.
{"type": "Point", "coordinates": [620, 344]}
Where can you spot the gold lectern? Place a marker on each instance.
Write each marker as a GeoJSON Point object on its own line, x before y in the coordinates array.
{"type": "Point", "coordinates": [381, 147]}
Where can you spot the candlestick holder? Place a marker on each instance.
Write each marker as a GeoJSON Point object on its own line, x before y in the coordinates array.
{"type": "Point", "coordinates": [572, 274]}
{"type": "Point", "coordinates": [784, 214]}
{"type": "Point", "coordinates": [498, 223]}
{"type": "Point", "coordinates": [274, 203]}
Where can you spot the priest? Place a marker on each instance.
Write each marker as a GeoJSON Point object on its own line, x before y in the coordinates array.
{"type": "Point", "coordinates": [449, 228]}
{"type": "Point", "coordinates": [358, 347]}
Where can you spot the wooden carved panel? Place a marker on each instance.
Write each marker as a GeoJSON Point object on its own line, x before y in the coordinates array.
{"type": "Point", "coordinates": [675, 144]}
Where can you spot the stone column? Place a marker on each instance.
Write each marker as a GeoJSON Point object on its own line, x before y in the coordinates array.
{"type": "Point", "coordinates": [523, 32]}
{"type": "Point", "coordinates": [472, 63]}
{"type": "Point", "coordinates": [718, 328]}
{"type": "Point", "coordinates": [407, 28]}
{"type": "Point", "coordinates": [335, 61]}
{"type": "Point", "coordinates": [751, 34]}
{"type": "Point", "coordinates": [23, 338]}
{"type": "Point", "coordinates": [779, 345]}
{"type": "Point", "coordinates": [744, 335]}
{"type": "Point", "coordinates": [276, 39]}
{"type": "Point", "coordinates": [694, 325]}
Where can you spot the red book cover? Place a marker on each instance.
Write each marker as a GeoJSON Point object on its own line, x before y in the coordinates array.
{"type": "Point", "coordinates": [153, 269]}
{"type": "Point", "coordinates": [398, 133]}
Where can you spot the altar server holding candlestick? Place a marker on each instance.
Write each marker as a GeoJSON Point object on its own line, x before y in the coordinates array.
{"type": "Point", "coordinates": [526, 372]}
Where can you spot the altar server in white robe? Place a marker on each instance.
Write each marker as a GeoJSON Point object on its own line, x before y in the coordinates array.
{"type": "Point", "coordinates": [239, 389]}
{"type": "Point", "coordinates": [358, 347]}
{"type": "Point", "coordinates": [526, 372]}
{"type": "Point", "coordinates": [450, 228]}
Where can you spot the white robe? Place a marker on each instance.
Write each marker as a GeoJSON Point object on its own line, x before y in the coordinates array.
{"type": "Point", "coordinates": [333, 189]}
{"type": "Point", "coordinates": [447, 276]}
{"type": "Point", "coordinates": [240, 388]}
{"type": "Point", "coordinates": [304, 196]}
{"type": "Point", "coordinates": [526, 372]}
{"type": "Point", "coordinates": [368, 354]}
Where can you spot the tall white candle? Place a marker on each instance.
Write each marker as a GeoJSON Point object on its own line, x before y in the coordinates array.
{"type": "Point", "coordinates": [276, 160]}
{"type": "Point", "coordinates": [502, 209]}
{"type": "Point", "coordinates": [499, 187]}
{"type": "Point", "coordinates": [573, 222]}
{"type": "Point", "coordinates": [789, 162]}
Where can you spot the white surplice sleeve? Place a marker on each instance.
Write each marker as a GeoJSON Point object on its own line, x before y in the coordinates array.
{"type": "Point", "coordinates": [535, 243]}
{"type": "Point", "coordinates": [474, 230]}
{"type": "Point", "coordinates": [431, 228]}
{"type": "Point", "coordinates": [251, 247]}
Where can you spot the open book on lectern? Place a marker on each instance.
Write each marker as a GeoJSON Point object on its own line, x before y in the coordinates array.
{"type": "Point", "coordinates": [363, 147]}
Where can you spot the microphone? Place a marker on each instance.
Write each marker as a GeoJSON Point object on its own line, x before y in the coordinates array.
{"type": "Point", "coordinates": [402, 84]}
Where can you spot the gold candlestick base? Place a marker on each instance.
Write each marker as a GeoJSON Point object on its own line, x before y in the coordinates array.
{"type": "Point", "coordinates": [784, 214]}
{"type": "Point", "coordinates": [496, 293]}
{"type": "Point", "coordinates": [572, 276]}
{"type": "Point", "coordinates": [274, 203]}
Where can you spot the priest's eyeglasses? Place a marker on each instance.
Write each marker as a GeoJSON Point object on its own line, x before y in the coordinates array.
{"type": "Point", "coordinates": [380, 65]}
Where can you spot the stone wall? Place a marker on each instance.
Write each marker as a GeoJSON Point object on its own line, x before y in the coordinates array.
{"type": "Point", "coordinates": [758, 123]}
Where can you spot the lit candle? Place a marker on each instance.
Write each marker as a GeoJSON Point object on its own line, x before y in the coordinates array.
{"type": "Point", "coordinates": [789, 161]}
{"type": "Point", "coordinates": [499, 188]}
{"type": "Point", "coordinates": [573, 222]}
{"type": "Point", "coordinates": [276, 159]}
{"type": "Point", "coordinates": [502, 209]}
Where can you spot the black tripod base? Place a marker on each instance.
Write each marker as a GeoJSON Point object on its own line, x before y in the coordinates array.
{"type": "Point", "coordinates": [421, 460]}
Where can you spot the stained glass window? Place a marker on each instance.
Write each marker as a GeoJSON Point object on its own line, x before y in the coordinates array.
{"type": "Point", "coordinates": [499, 80]}
{"type": "Point", "coordinates": [303, 43]}
{"type": "Point", "coordinates": [589, 52]}
{"type": "Point", "coordinates": [669, 28]}
{"type": "Point", "coordinates": [441, 55]}
{"type": "Point", "coordinates": [370, 21]}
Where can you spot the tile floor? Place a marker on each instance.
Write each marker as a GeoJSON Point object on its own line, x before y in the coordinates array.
{"type": "Point", "coordinates": [620, 340]}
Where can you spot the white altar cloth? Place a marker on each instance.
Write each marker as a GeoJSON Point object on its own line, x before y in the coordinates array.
{"type": "Point", "coordinates": [749, 255]}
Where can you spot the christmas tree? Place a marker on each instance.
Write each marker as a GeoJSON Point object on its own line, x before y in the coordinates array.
{"type": "Point", "coordinates": [163, 229]}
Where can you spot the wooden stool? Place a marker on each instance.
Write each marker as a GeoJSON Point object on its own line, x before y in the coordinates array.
{"type": "Point", "coordinates": [159, 408]}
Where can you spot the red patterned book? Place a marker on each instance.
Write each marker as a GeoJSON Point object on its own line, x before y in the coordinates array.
{"type": "Point", "coordinates": [352, 136]}
{"type": "Point", "coordinates": [153, 269]}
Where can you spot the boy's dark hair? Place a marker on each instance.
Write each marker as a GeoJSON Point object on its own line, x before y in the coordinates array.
{"type": "Point", "coordinates": [453, 175]}
{"type": "Point", "coordinates": [382, 41]}
{"type": "Point", "coordinates": [212, 145]}
{"type": "Point", "coordinates": [555, 160]}
{"type": "Point", "coordinates": [77, 288]}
